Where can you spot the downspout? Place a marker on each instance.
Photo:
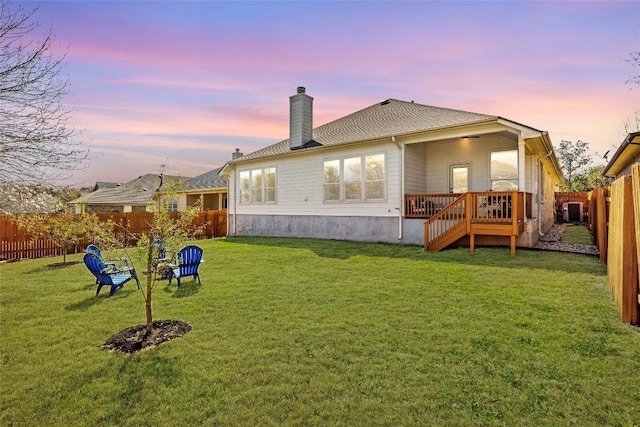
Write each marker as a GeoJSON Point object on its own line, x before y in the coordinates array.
{"type": "Point", "coordinates": [540, 233]}
{"type": "Point", "coordinates": [401, 204]}
{"type": "Point", "coordinates": [229, 193]}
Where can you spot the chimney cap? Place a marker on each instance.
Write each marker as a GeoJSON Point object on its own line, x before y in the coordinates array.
{"type": "Point", "coordinates": [301, 89]}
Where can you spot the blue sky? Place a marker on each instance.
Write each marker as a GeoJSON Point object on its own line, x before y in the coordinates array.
{"type": "Point", "coordinates": [185, 83]}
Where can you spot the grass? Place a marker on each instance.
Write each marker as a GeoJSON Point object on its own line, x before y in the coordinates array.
{"type": "Point", "coordinates": [577, 234]}
{"type": "Point", "coordinates": [308, 332]}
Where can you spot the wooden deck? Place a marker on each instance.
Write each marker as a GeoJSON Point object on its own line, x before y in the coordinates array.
{"type": "Point", "coordinates": [449, 217]}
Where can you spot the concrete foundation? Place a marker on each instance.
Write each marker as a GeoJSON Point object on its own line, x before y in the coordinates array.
{"type": "Point", "coordinates": [360, 229]}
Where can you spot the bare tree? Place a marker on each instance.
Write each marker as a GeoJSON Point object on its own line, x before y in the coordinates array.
{"type": "Point", "coordinates": [633, 124]}
{"type": "Point", "coordinates": [634, 60]}
{"type": "Point", "coordinates": [36, 142]}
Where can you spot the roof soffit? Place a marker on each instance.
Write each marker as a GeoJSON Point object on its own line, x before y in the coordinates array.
{"type": "Point", "coordinates": [627, 151]}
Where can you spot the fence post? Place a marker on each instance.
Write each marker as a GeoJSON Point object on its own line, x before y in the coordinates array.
{"type": "Point", "coordinates": [602, 224]}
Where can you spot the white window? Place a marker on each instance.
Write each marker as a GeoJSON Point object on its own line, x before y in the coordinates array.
{"type": "Point", "coordinates": [170, 205]}
{"type": "Point", "coordinates": [374, 184]}
{"type": "Point", "coordinates": [258, 185]}
{"type": "Point", "coordinates": [504, 170]}
{"type": "Point", "coordinates": [332, 180]}
{"type": "Point", "coordinates": [352, 178]}
{"type": "Point", "coordinates": [270, 184]}
{"type": "Point", "coordinates": [355, 178]}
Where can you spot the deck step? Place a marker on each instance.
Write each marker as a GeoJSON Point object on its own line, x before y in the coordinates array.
{"type": "Point", "coordinates": [447, 239]}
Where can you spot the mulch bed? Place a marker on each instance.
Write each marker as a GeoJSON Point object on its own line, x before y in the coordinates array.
{"type": "Point", "coordinates": [135, 338]}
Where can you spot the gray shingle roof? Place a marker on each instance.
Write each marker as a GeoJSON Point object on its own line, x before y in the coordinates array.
{"type": "Point", "coordinates": [387, 118]}
{"type": "Point", "coordinates": [101, 184]}
{"type": "Point", "coordinates": [208, 180]}
{"type": "Point", "coordinates": [138, 192]}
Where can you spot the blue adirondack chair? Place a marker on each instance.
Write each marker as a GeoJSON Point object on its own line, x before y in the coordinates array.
{"type": "Point", "coordinates": [111, 264]}
{"type": "Point", "coordinates": [189, 259]}
{"type": "Point", "coordinates": [107, 276]}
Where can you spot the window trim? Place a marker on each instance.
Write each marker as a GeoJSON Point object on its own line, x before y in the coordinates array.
{"type": "Point", "coordinates": [263, 188]}
{"type": "Point", "coordinates": [517, 176]}
{"type": "Point", "coordinates": [170, 204]}
{"type": "Point", "coordinates": [363, 181]}
{"type": "Point", "coordinates": [453, 166]}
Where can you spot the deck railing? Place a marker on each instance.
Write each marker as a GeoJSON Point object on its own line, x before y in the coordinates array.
{"type": "Point", "coordinates": [446, 222]}
{"type": "Point", "coordinates": [426, 205]}
{"type": "Point", "coordinates": [503, 210]}
{"type": "Point", "coordinates": [497, 206]}
{"type": "Point", "coordinates": [493, 206]}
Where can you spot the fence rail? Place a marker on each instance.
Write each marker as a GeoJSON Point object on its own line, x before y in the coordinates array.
{"type": "Point", "coordinates": [15, 243]}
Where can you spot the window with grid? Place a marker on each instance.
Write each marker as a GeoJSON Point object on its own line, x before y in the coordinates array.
{"type": "Point", "coordinates": [359, 178]}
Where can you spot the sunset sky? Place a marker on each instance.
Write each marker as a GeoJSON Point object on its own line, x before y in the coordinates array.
{"type": "Point", "coordinates": [185, 83]}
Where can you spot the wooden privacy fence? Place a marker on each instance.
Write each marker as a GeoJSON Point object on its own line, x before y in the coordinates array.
{"type": "Point", "coordinates": [624, 245]}
{"type": "Point", "coordinates": [15, 243]}
{"type": "Point", "coordinates": [598, 219]}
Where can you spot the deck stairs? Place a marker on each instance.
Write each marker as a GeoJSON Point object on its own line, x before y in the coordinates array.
{"type": "Point", "coordinates": [472, 214]}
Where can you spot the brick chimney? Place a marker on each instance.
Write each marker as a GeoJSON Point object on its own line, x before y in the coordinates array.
{"type": "Point", "coordinates": [300, 119]}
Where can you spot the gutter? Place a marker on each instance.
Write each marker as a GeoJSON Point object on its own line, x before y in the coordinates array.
{"type": "Point", "coordinates": [629, 140]}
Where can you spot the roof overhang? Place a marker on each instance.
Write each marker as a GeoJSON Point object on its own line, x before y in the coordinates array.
{"type": "Point", "coordinates": [628, 150]}
{"type": "Point", "coordinates": [541, 144]}
{"type": "Point", "coordinates": [199, 191]}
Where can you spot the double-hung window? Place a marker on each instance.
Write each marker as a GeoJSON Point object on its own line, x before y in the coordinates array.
{"type": "Point", "coordinates": [355, 178]}
{"type": "Point", "coordinates": [258, 185]}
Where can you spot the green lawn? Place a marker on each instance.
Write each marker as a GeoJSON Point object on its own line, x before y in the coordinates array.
{"type": "Point", "coordinates": [315, 333]}
{"type": "Point", "coordinates": [577, 234]}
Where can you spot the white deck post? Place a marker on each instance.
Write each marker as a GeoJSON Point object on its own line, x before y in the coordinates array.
{"type": "Point", "coordinates": [521, 179]}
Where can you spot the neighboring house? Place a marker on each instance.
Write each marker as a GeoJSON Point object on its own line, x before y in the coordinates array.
{"type": "Point", "coordinates": [209, 191]}
{"type": "Point", "coordinates": [626, 155]}
{"type": "Point", "coordinates": [134, 196]}
{"type": "Point", "coordinates": [381, 173]}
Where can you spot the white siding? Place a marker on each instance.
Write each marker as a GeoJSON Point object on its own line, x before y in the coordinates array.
{"type": "Point", "coordinates": [300, 185]}
{"type": "Point", "coordinates": [474, 152]}
{"type": "Point", "coordinates": [414, 169]}
{"type": "Point", "coordinates": [530, 176]}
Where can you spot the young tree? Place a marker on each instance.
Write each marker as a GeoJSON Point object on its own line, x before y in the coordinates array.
{"type": "Point", "coordinates": [35, 140]}
{"type": "Point", "coordinates": [573, 159]}
{"type": "Point", "coordinates": [168, 233]}
{"type": "Point", "coordinates": [66, 229]}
